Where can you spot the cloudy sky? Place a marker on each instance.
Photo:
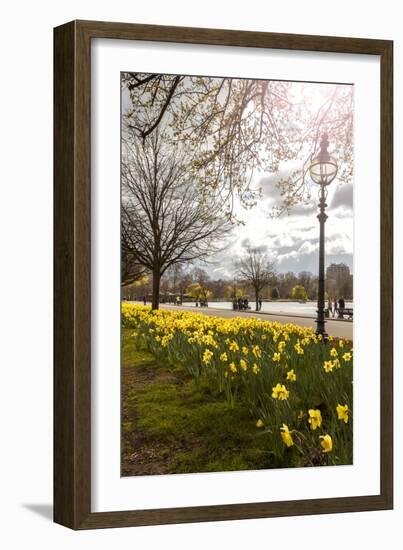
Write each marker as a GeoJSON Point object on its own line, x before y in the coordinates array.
{"type": "Point", "coordinates": [291, 240]}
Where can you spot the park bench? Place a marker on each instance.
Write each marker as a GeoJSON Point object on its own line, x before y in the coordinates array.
{"type": "Point", "coordinates": [342, 313]}
{"type": "Point", "coordinates": [345, 311]}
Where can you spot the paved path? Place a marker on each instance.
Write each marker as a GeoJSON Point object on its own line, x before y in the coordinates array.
{"type": "Point", "coordinates": [341, 329]}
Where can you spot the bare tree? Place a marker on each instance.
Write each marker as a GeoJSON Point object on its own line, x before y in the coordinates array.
{"type": "Point", "coordinates": [166, 218]}
{"type": "Point", "coordinates": [131, 271]}
{"type": "Point", "coordinates": [256, 269]}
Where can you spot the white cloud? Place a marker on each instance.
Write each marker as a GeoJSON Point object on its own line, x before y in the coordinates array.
{"type": "Point", "coordinates": [291, 240]}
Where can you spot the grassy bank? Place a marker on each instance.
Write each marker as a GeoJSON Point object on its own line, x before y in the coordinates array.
{"type": "Point", "coordinates": [173, 425]}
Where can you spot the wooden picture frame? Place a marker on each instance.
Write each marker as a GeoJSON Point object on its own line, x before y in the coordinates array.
{"type": "Point", "coordinates": [72, 271]}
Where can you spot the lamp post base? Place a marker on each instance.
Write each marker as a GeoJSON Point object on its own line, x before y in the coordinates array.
{"type": "Point", "coordinates": [320, 328]}
{"type": "Point", "coordinates": [325, 336]}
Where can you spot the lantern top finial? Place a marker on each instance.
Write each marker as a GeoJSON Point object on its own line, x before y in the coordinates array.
{"type": "Point", "coordinates": [324, 144]}
{"type": "Point", "coordinates": [323, 167]}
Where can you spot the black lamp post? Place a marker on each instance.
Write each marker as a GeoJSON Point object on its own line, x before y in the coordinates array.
{"type": "Point", "coordinates": [323, 170]}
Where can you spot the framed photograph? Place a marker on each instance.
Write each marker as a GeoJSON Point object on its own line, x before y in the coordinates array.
{"type": "Point", "coordinates": [223, 287]}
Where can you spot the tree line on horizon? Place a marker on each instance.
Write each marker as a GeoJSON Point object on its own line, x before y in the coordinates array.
{"type": "Point", "coordinates": [194, 283]}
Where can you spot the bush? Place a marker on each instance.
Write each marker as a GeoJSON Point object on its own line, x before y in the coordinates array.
{"type": "Point", "coordinates": [299, 293]}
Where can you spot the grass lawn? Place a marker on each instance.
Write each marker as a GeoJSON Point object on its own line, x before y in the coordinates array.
{"type": "Point", "coordinates": [170, 425]}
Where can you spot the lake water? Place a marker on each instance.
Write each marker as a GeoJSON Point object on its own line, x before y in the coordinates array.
{"type": "Point", "coordinates": [309, 308]}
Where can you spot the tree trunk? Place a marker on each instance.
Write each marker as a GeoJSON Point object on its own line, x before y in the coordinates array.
{"type": "Point", "coordinates": [156, 288]}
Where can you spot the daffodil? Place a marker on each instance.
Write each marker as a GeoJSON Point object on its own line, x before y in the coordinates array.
{"type": "Point", "coordinates": [326, 443]}
{"type": "Point", "coordinates": [281, 346]}
{"type": "Point", "coordinates": [243, 364]}
{"type": "Point", "coordinates": [234, 346]}
{"type": "Point", "coordinates": [298, 348]}
{"type": "Point", "coordinates": [342, 412]}
{"type": "Point", "coordinates": [259, 424]}
{"type": "Point", "coordinates": [286, 435]}
{"type": "Point", "coordinates": [256, 352]}
{"type": "Point", "coordinates": [224, 357]}
{"type": "Point", "coordinates": [245, 350]}
{"type": "Point", "coordinates": [347, 356]}
{"type": "Point", "coordinates": [276, 357]}
{"type": "Point", "coordinates": [255, 369]}
{"type": "Point", "coordinates": [333, 352]}
{"type": "Point", "coordinates": [207, 355]}
{"type": "Point", "coordinates": [328, 366]}
{"type": "Point", "coordinates": [232, 367]}
{"type": "Point", "coordinates": [291, 375]}
{"type": "Point", "coordinates": [315, 418]}
{"type": "Point", "coordinates": [280, 392]}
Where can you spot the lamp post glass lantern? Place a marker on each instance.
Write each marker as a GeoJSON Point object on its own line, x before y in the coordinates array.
{"type": "Point", "coordinates": [323, 170]}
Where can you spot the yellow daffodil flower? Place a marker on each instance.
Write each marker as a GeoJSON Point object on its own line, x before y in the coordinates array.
{"type": "Point", "coordinates": [291, 375]}
{"type": "Point", "coordinates": [255, 369]}
{"type": "Point", "coordinates": [234, 346]}
{"type": "Point", "coordinates": [280, 392]}
{"type": "Point", "coordinates": [328, 366]}
{"type": "Point", "coordinates": [207, 355]}
{"type": "Point", "coordinates": [299, 349]}
{"type": "Point", "coordinates": [256, 352]}
{"type": "Point", "coordinates": [315, 418]}
{"type": "Point", "coordinates": [281, 346]}
{"type": "Point", "coordinates": [342, 412]}
{"type": "Point", "coordinates": [286, 435]}
{"type": "Point", "coordinates": [326, 443]}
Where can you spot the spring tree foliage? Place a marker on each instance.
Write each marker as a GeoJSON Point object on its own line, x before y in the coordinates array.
{"type": "Point", "coordinates": [233, 291]}
{"type": "Point", "coordinates": [299, 293]}
{"type": "Point", "coordinates": [238, 127]}
{"type": "Point", "coordinates": [199, 291]}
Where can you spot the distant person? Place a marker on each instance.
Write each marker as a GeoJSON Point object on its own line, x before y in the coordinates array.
{"type": "Point", "coordinates": [246, 303]}
{"type": "Point", "coordinates": [341, 307]}
{"type": "Point", "coordinates": [145, 300]}
{"type": "Point", "coordinates": [334, 305]}
{"type": "Point", "coordinates": [329, 307]}
{"type": "Point", "coordinates": [178, 301]}
{"type": "Point", "coordinates": [260, 304]}
{"type": "Point", "coordinates": [197, 303]}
